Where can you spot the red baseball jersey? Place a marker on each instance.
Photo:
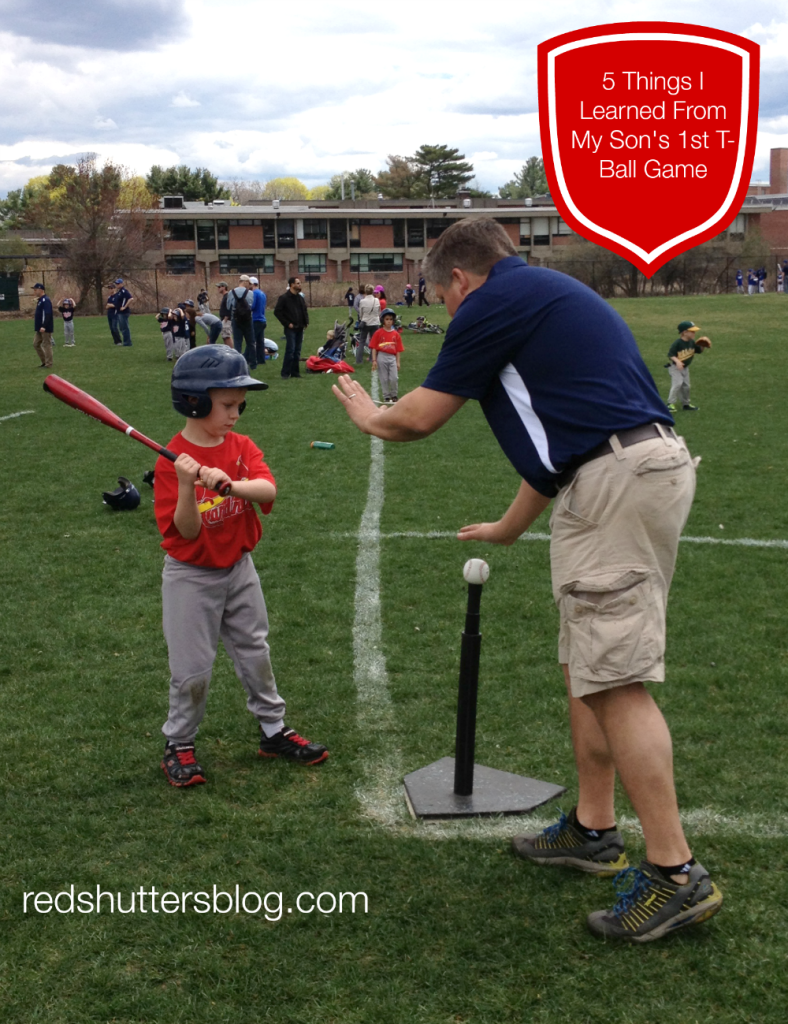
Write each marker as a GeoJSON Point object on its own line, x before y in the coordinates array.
{"type": "Point", "coordinates": [230, 526]}
{"type": "Point", "coordinates": [386, 341]}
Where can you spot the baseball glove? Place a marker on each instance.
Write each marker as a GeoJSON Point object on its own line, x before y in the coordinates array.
{"type": "Point", "coordinates": [703, 342]}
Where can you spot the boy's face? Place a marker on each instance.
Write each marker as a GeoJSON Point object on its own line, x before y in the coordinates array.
{"type": "Point", "coordinates": [225, 410]}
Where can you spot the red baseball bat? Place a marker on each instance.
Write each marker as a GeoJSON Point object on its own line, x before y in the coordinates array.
{"type": "Point", "coordinates": [81, 400]}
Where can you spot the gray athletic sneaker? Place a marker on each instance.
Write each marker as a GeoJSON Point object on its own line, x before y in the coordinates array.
{"type": "Point", "coordinates": [562, 844]}
{"type": "Point", "coordinates": [648, 907]}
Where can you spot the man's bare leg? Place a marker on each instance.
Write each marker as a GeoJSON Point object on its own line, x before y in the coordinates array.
{"type": "Point", "coordinates": [640, 745]}
{"type": "Point", "coordinates": [596, 774]}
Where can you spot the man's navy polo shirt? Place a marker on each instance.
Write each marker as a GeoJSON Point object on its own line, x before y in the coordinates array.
{"type": "Point", "coordinates": [121, 295]}
{"type": "Point", "coordinates": [556, 369]}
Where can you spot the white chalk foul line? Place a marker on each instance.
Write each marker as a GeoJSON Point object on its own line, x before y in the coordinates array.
{"type": "Point", "coordinates": [380, 791]}
{"type": "Point", "coordinates": [13, 415]}
{"type": "Point", "coordinates": [703, 821]}
{"type": "Point", "coordinates": [743, 542]}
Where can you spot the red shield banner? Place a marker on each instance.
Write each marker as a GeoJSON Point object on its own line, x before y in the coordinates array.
{"type": "Point", "coordinates": [648, 133]}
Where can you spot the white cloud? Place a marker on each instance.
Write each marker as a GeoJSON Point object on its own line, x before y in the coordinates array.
{"type": "Point", "coordinates": [182, 100]}
{"type": "Point", "coordinates": [328, 113]}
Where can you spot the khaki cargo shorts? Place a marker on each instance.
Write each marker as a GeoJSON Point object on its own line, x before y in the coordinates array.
{"type": "Point", "coordinates": [615, 533]}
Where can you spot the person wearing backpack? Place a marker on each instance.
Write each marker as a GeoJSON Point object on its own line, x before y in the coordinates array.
{"type": "Point", "coordinates": [291, 312]}
{"type": "Point", "coordinates": [239, 308]}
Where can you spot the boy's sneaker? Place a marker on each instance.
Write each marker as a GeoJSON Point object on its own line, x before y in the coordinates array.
{"type": "Point", "coordinates": [288, 744]}
{"type": "Point", "coordinates": [690, 408]}
{"type": "Point", "coordinates": [180, 765]}
{"type": "Point", "coordinates": [672, 407]}
{"type": "Point", "coordinates": [649, 907]}
{"type": "Point", "coordinates": [564, 845]}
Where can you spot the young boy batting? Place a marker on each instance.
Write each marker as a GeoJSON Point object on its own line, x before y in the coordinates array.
{"type": "Point", "coordinates": [210, 588]}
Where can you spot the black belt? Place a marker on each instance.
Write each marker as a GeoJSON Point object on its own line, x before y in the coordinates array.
{"type": "Point", "coordinates": [626, 438]}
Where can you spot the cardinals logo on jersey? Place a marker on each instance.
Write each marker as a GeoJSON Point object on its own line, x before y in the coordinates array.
{"type": "Point", "coordinates": [214, 509]}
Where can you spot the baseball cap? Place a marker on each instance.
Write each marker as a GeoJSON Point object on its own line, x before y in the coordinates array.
{"type": "Point", "coordinates": [687, 325]}
{"type": "Point", "coordinates": [38, 285]}
{"type": "Point", "coordinates": [253, 280]}
{"type": "Point", "coordinates": [222, 284]}
{"type": "Point", "coordinates": [388, 312]}
{"type": "Point", "coordinates": [118, 280]}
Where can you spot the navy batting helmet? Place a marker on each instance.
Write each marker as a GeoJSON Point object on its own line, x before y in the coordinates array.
{"type": "Point", "coordinates": [124, 498]}
{"type": "Point", "coordinates": [206, 367]}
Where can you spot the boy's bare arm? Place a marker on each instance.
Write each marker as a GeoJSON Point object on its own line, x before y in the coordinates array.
{"type": "Point", "coordinates": [187, 516]}
{"type": "Point", "coordinates": [260, 491]}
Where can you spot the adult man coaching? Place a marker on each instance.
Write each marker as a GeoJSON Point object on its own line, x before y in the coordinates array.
{"type": "Point", "coordinates": [564, 389]}
{"type": "Point", "coordinates": [44, 325]}
{"type": "Point", "coordinates": [291, 312]}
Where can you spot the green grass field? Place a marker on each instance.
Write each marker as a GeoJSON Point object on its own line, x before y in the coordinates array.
{"type": "Point", "coordinates": [457, 930]}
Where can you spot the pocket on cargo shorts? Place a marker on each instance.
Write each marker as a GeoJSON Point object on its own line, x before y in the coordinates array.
{"type": "Point", "coordinates": [613, 626]}
{"type": "Point", "coordinates": [663, 459]}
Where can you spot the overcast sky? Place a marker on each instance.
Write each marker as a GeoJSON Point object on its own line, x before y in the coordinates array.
{"type": "Point", "coordinates": [262, 89]}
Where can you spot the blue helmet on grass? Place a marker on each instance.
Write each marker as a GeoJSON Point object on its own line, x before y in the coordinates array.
{"type": "Point", "coordinates": [206, 367]}
{"type": "Point", "coordinates": [125, 498]}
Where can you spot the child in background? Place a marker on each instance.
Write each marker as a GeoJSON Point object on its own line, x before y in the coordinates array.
{"type": "Point", "coordinates": [386, 345]}
{"type": "Point", "coordinates": [203, 303]}
{"type": "Point", "coordinates": [164, 320]}
{"type": "Point", "coordinates": [66, 309]}
{"type": "Point", "coordinates": [180, 332]}
{"type": "Point", "coordinates": [210, 587]}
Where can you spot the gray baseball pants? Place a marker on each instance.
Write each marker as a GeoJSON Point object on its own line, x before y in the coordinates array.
{"type": "Point", "coordinates": [679, 385]}
{"type": "Point", "coordinates": [199, 607]}
{"type": "Point", "coordinates": [388, 375]}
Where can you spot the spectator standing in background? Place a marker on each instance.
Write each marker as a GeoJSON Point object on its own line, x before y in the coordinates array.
{"type": "Point", "coordinates": [292, 314]}
{"type": "Point", "coordinates": [239, 306]}
{"type": "Point", "coordinates": [422, 291]}
{"type": "Point", "coordinates": [112, 315]}
{"type": "Point", "coordinates": [224, 315]}
{"type": "Point", "coordinates": [123, 299]}
{"type": "Point", "coordinates": [44, 324]}
{"type": "Point", "coordinates": [259, 300]}
{"type": "Point", "coordinates": [369, 317]}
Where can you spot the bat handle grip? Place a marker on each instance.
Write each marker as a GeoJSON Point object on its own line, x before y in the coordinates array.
{"type": "Point", "coordinates": [225, 489]}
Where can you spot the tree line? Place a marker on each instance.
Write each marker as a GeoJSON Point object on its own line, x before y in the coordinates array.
{"type": "Point", "coordinates": [80, 204]}
{"type": "Point", "coordinates": [432, 172]}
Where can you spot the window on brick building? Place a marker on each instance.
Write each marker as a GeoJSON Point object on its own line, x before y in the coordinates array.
{"type": "Point", "coordinates": [179, 264]}
{"type": "Point", "coordinates": [337, 234]}
{"type": "Point", "coordinates": [247, 263]}
{"type": "Point", "coordinates": [311, 263]}
{"type": "Point", "coordinates": [285, 234]}
{"type": "Point", "coordinates": [436, 226]}
{"type": "Point", "coordinates": [415, 230]}
{"type": "Point", "coordinates": [206, 234]}
{"type": "Point", "coordinates": [179, 230]}
{"type": "Point", "coordinates": [315, 229]}
{"type": "Point", "coordinates": [369, 262]}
